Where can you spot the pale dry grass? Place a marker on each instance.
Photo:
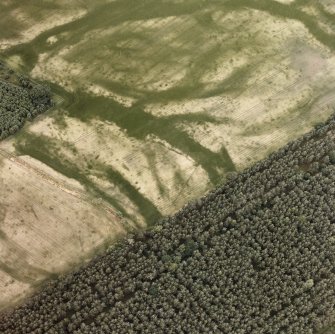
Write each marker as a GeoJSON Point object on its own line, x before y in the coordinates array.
{"type": "Point", "coordinates": [45, 229]}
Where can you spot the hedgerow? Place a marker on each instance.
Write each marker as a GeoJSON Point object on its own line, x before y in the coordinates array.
{"type": "Point", "coordinates": [256, 255]}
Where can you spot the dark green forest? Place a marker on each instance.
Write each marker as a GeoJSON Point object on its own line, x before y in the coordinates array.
{"type": "Point", "coordinates": [255, 255]}
{"type": "Point", "coordinates": [20, 100]}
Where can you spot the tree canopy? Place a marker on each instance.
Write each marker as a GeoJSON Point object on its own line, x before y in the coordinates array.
{"type": "Point", "coordinates": [20, 99]}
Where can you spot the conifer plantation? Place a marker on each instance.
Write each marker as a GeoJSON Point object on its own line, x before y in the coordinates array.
{"type": "Point", "coordinates": [20, 100]}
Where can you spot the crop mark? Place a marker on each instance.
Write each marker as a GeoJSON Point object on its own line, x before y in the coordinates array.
{"type": "Point", "coordinates": [276, 8]}
{"type": "Point", "coordinates": [51, 180]}
{"type": "Point", "coordinates": [130, 118]}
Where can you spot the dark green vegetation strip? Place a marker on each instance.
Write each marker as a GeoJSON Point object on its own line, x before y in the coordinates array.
{"type": "Point", "coordinates": [20, 99]}
{"type": "Point", "coordinates": [118, 12]}
{"type": "Point", "coordinates": [145, 207]}
{"type": "Point", "coordinates": [139, 124]}
{"type": "Point", "coordinates": [254, 256]}
{"type": "Point", "coordinates": [45, 150]}
{"type": "Point", "coordinates": [103, 16]}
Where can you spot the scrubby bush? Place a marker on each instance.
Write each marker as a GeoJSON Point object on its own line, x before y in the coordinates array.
{"type": "Point", "coordinates": [255, 255]}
